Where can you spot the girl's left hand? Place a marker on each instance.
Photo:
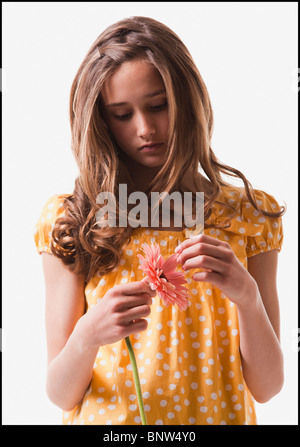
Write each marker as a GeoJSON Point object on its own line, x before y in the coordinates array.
{"type": "Point", "coordinates": [221, 267]}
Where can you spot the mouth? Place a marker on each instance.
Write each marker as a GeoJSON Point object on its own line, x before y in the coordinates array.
{"type": "Point", "coordinates": [150, 147]}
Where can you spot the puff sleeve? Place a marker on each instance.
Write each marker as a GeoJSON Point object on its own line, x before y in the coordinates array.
{"type": "Point", "coordinates": [52, 210]}
{"type": "Point", "coordinates": [268, 233]}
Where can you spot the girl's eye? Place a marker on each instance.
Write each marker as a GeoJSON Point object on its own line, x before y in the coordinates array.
{"type": "Point", "coordinates": [160, 106]}
{"type": "Point", "coordinates": [157, 108]}
{"type": "Point", "coordinates": [122, 117]}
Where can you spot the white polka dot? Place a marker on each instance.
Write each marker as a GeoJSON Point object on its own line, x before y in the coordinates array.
{"type": "Point", "coordinates": [163, 403]}
{"type": "Point", "coordinates": [111, 407]}
{"type": "Point", "coordinates": [132, 407]}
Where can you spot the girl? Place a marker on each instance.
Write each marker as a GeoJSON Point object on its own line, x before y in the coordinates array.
{"type": "Point", "coordinates": [141, 116]}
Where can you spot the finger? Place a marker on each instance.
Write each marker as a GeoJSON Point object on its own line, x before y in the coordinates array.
{"type": "Point", "coordinates": [136, 288]}
{"type": "Point", "coordinates": [210, 277]}
{"type": "Point", "coordinates": [206, 262]}
{"type": "Point", "coordinates": [135, 313]}
{"type": "Point", "coordinates": [132, 301]}
{"type": "Point", "coordinates": [136, 326]}
{"type": "Point", "coordinates": [196, 240]}
{"type": "Point", "coordinates": [200, 249]}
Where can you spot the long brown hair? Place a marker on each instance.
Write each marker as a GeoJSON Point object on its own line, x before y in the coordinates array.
{"type": "Point", "coordinates": [77, 239]}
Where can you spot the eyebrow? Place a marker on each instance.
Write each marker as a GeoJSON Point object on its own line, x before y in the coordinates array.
{"type": "Point", "coordinates": [150, 95]}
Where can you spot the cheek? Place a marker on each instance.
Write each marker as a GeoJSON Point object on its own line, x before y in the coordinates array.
{"type": "Point", "coordinates": [119, 132]}
{"type": "Point", "coordinates": [164, 124]}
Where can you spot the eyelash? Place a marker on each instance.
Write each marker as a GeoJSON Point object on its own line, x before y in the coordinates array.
{"type": "Point", "coordinates": [154, 109]}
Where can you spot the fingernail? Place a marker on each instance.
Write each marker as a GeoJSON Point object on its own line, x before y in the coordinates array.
{"type": "Point", "coordinates": [178, 249]}
{"type": "Point", "coordinates": [179, 260]}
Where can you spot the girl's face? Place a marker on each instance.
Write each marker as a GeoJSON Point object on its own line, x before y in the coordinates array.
{"type": "Point", "coordinates": [136, 111]}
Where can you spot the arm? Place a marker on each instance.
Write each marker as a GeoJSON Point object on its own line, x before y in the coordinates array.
{"type": "Point", "coordinates": [262, 357]}
{"type": "Point", "coordinates": [65, 304]}
{"type": "Point", "coordinates": [254, 293]}
{"type": "Point", "coordinates": [73, 337]}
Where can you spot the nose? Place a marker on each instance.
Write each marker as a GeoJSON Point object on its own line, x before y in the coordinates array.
{"type": "Point", "coordinates": [145, 126]}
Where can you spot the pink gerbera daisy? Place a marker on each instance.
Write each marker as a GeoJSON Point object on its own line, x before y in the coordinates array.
{"type": "Point", "coordinates": [163, 277]}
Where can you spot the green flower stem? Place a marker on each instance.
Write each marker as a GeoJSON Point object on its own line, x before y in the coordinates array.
{"type": "Point", "coordinates": [136, 380]}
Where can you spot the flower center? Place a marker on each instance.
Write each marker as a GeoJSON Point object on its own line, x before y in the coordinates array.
{"type": "Point", "coordinates": [162, 275]}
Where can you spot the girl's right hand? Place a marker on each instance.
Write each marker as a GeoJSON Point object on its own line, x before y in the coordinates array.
{"type": "Point", "coordinates": [119, 313]}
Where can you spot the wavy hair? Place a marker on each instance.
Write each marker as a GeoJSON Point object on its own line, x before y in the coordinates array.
{"type": "Point", "coordinates": [77, 239]}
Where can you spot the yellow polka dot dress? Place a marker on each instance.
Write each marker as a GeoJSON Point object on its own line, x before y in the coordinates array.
{"type": "Point", "coordinates": [189, 361]}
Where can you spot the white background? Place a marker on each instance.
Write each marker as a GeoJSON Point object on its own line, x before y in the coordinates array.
{"type": "Point", "coordinates": [247, 55]}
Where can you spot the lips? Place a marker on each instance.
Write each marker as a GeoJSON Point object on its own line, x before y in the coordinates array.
{"type": "Point", "coordinates": [150, 146]}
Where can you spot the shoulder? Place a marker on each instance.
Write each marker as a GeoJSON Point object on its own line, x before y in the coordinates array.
{"type": "Point", "coordinates": [238, 198]}
{"type": "Point", "coordinates": [262, 232]}
{"type": "Point", "coordinates": [54, 206]}
{"type": "Point", "coordinates": [51, 211]}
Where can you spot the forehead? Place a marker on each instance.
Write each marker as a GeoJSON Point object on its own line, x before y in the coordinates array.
{"type": "Point", "coordinates": [131, 80]}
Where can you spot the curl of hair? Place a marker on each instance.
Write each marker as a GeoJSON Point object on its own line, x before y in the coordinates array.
{"type": "Point", "coordinates": [77, 239]}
